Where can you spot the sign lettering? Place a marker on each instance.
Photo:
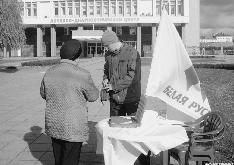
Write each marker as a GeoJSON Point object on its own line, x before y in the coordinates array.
{"type": "Point", "coordinates": [96, 20]}
{"type": "Point", "coordinates": [180, 98]}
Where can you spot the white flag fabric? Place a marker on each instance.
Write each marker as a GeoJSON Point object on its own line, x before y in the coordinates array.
{"type": "Point", "coordinates": [172, 77]}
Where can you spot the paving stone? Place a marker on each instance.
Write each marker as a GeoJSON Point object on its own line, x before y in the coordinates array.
{"type": "Point", "coordinates": [91, 163]}
{"type": "Point", "coordinates": [92, 139]}
{"type": "Point", "coordinates": [6, 156]}
{"type": "Point", "coordinates": [23, 162]}
{"type": "Point", "coordinates": [44, 162]}
{"type": "Point", "coordinates": [88, 148]}
{"type": "Point", "coordinates": [29, 156]}
{"type": "Point", "coordinates": [4, 161]}
{"type": "Point", "coordinates": [38, 147]}
{"type": "Point", "coordinates": [15, 146]}
{"type": "Point", "coordinates": [43, 139]}
{"type": "Point", "coordinates": [91, 157]}
{"type": "Point", "coordinates": [47, 156]}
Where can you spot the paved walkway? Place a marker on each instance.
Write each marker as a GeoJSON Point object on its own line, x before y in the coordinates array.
{"type": "Point", "coordinates": [22, 141]}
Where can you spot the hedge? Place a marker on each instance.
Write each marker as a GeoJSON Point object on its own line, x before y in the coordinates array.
{"type": "Point", "coordinates": [41, 62]}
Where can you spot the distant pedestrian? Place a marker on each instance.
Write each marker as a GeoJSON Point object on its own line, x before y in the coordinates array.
{"type": "Point", "coordinates": [203, 51]}
{"type": "Point", "coordinates": [66, 88]}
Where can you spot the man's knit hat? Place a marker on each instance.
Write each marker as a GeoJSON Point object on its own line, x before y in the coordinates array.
{"type": "Point", "coordinates": [70, 50]}
{"type": "Point", "coordinates": [109, 37]}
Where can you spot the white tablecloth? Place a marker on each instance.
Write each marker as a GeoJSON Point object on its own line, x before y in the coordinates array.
{"type": "Point", "coordinates": [124, 145]}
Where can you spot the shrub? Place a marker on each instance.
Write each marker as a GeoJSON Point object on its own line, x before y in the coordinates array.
{"type": "Point", "coordinates": [41, 62]}
{"type": "Point", "coordinates": [215, 66]}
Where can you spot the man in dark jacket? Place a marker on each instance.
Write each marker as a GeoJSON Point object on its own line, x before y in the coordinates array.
{"type": "Point", "coordinates": [122, 75]}
{"type": "Point", "coordinates": [122, 79]}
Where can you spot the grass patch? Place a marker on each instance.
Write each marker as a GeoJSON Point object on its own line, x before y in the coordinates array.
{"type": "Point", "coordinates": [219, 87]}
{"type": "Point", "coordinates": [41, 62]}
{"type": "Point", "coordinates": [199, 63]}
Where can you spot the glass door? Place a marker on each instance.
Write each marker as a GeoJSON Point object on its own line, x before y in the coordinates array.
{"type": "Point", "coordinates": [95, 49]}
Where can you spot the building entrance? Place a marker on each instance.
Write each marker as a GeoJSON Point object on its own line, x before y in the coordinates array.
{"type": "Point", "coordinates": [95, 49]}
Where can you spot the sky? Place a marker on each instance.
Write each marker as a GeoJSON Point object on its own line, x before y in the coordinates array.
{"type": "Point", "coordinates": [217, 16]}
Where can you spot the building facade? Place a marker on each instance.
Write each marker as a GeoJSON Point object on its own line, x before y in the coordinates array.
{"type": "Point", "coordinates": [49, 23]}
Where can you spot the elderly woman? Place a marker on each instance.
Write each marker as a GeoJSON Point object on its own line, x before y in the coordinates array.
{"type": "Point", "coordinates": [66, 87]}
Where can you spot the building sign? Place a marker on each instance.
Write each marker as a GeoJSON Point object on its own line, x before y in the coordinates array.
{"type": "Point", "coordinates": [104, 20]}
{"type": "Point", "coordinates": [95, 20]}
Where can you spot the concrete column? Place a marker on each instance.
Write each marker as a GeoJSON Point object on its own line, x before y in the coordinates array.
{"type": "Point", "coordinates": [5, 54]}
{"type": "Point", "coordinates": [109, 10]}
{"type": "Point", "coordinates": [39, 41]}
{"type": "Point", "coordinates": [183, 33]}
{"type": "Point", "coordinates": [87, 9]}
{"type": "Point", "coordinates": [139, 38]}
{"type": "Point", "coordinates": [154, 7]}
{"type": "Point", "coordinates": [19, 52]}
{"type": "Point", "coordinates": [53, 40]}
{"type": "Point", "coordinates": [154, 33]}
{"type": "Point", "coordinates": [221, 50]}
{"type": "Point", "coordinates": [191, 31]}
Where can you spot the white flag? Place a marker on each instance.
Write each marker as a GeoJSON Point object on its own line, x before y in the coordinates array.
{"type": "Point", "coordinates": [172, 76]}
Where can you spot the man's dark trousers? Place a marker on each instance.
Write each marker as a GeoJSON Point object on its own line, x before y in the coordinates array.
{"type": "Point", "coordinates": [66, 153]}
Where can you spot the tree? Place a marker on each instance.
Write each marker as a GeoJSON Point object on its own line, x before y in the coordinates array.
{"type": "Point", "coordinates": [11, 27]}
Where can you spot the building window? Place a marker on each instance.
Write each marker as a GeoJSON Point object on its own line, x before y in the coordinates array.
{"type": "Point", "coordinates": [113, 7]}
{"type": "Point", "coordinates": [165, 2]}
{"type": "Point", "coordinates": [63, 8]}
{"type": "Point", "coordinates": [105, 7]}
{"type": "Point", "coordinates": [69, 7]}
{"type": "Point", "coordinates": [34, 9]}
{"type": "Point", "coordinates": [180, 7]}
{"type": "Point", "coordinates": [158, 7]}
{"type": "Point", "coordinates": [173, 7]}
{"type": "Point", "coordinates": [128, 7]}
{"type": "Point", "coordinates": [91, 8]}
{"type": "Point", "coordinates": [120, 8]}
{"type": "Point", "coordinates": [84, 8]}
{"type": "Point", "coordinates": [31, 9]}
{"type": "Point", "coordinates": [77, 7]}
{"type": "Point", "coordinates": [98, 7]}
{"type": "Point", "coordinates": [28, 9]}
{"type": "Point", "coordinates": [134, 7]}
{"type": "Point", "coordinates": [56, 9]}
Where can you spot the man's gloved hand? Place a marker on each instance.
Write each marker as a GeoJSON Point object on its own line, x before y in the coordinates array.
{"type": "Point", "coordinates": [108, 87]}
{"type": "Point", "coordinates": [105, 83]}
